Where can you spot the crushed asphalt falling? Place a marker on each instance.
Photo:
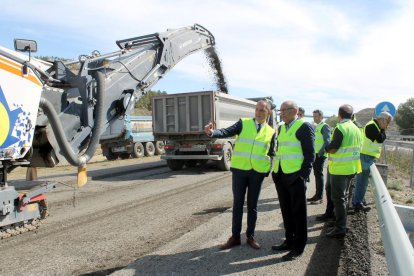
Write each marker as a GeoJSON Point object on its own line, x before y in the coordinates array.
{"type": "Point", "coordinates": [215, 65]}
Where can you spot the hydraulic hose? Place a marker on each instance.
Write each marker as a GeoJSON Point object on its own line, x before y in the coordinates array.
{"type": "Point", "coordinates": [59, 132]}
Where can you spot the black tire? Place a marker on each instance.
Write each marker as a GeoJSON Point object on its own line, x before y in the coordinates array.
{"type": "Point", "coordinates": [110, 156]}
{"type": "Point", "coordinates": [175, 165]}
{"type": "Point", "coordinates": [138, 150]}
{"type": "Point", "coordinates": [159, 147]}
{"type": "Point", "coordinates": [225, 162]}
{"type": "Point", "coordinates": [149, 149]}
{"type": "Point", "coordinates": [125, 155]}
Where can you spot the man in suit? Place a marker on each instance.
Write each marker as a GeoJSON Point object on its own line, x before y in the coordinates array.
{"type": "Point", "coordinates": [250, 164]}
{"type": "Point", "coordinates": [293, 164]}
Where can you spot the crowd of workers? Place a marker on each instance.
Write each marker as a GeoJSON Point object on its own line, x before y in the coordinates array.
{"type": "Point", "coordinates": [289, 154]}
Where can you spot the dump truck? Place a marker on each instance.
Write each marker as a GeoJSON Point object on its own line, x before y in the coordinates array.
{"type": "Point", "coordinates": [179, 119]}
{"type": "Point", "coordinates": [130, 135]}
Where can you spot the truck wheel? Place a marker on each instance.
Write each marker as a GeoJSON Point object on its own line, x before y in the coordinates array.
{"type": "Point", "coordinates": [159, 147]}
{"type": "Point", "coordinates": [225, 162]}
{"type": "Point", "coordinates": [125, 155]}
{"type": "Point", "coordinates": [175, 165]}
{"type": "Point", "coordinates": [110, 156]}
{"type": "Point", "coordinates": [138, 150]}
{"type": "Point", "coordinates": [149, 149]}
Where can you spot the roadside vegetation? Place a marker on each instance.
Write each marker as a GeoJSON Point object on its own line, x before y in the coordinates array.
{"type": "Point", "coordinates": [399, 171]}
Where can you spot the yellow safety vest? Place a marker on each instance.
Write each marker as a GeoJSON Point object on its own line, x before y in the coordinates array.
{"type": "Point", "coordinates": [251, 147]}
{"type": "Point", "coordinates": [346, 159]}
{"type": "Point", "coordinates": [319, 138]}
{"type": "Point", "coordinates": [369, 147]}
{"type": "Point", "coordinates": [289, 152]}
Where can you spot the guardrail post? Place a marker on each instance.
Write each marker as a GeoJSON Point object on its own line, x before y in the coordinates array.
{"type": "Point", "coordinates": [383, 170]}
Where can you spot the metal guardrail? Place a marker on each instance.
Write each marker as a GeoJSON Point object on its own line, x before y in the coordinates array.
{"type": "Point", "coordinates": [398, 249]}
{"type": "Point", "coordinates": [400, 137]}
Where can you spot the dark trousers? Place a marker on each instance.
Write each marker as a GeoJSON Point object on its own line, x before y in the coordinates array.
{"type": "Point", "coordinates": [329, 203]}
{"type": "Point", "coordinates": [292, 200]}
{"type": "Point", "coordinates": [339, 195]}
{"type": "Point", "coordinates": [318, 172]}
{"type": "Point", "coordinates": [252, 182]}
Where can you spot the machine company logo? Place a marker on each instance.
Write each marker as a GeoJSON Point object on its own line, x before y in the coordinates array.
{"type": "Point", "coordinates": [12, 123]}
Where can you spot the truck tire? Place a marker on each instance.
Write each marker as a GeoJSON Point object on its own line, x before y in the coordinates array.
{"type": "Point", "coordinates": [159, 147]}
{"type": "Point", "coordinates": [175, 165]}
{"type": "Point", "coordinates": [138, 150]}
{"type": "Point", "coordinates": [110, 156]}
{"type": "Point", "coordinates": [225, 162]}
{"type": "Point", "coordinates": [149, 149]}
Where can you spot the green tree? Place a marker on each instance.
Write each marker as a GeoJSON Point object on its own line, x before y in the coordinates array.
{"type": "Point", "coordinates": [145, 102]}
{"type": "Point", "coordinates": [405, 117]}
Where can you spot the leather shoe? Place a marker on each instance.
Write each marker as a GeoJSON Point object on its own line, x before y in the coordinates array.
{"type": "Point", "coordinates": [335, 234]}
{"type": "Point", "coordinates": [281, 247]}
{"type": "Point", "coordinates": [231, 242]}
{"type": "Point", "coordinates": [317, 201]}
{"type": "Point", "coordinates": [291, 256]}
{"type": "Point", "coordinates": [253, 243]}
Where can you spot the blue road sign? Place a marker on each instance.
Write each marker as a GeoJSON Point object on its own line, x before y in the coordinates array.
{"type": "Point", "coordinates": [385, 107]}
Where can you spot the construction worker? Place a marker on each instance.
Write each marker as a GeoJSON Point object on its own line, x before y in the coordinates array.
{"type": "Point", "coordinates": [374, 136]}
{"type": "Point", "coordinates": [322, 139]}
{"type": "Point", "coordinates": [344, 153]}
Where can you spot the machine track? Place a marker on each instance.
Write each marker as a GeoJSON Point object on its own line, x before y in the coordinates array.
{"type": "Point", "coordinates": [23, 227]}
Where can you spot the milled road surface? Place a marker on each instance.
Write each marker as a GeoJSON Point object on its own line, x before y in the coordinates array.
{"type": "Point", "coordinates": [136, 217]}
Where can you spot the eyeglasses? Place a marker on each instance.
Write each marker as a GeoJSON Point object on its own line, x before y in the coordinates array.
{"type": "Point", "coordinates": [286, 109]}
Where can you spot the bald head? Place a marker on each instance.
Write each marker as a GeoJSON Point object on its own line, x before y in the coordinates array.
{"type": "Point", "coordinates": [345, 111]}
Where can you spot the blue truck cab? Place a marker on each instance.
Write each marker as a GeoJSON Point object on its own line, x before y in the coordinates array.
{"type": "Point", "coordinates": [130, 135]}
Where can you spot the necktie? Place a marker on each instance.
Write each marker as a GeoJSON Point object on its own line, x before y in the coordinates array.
{"type": "Point", "coordinates": [258, 127]}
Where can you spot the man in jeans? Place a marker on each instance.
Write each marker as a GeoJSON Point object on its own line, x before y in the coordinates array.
{"type": "Point", "coordinates": [322, 139]}
{"type": "Point", "coordinates": [374, 136]}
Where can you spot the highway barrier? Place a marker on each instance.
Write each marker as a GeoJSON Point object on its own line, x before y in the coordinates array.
{"type": "Point", "coordinates": [398, 249]}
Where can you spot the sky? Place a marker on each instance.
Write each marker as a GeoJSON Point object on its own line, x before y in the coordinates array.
{"type": "Point", "coordinates": [320, 54]}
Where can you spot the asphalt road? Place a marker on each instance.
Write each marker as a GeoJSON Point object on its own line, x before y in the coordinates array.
{"type": "Point", "coordinates": [136, 217]}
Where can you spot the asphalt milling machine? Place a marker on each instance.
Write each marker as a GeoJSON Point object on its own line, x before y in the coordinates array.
{"type": "Point", "coordinates": [54, 111]}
